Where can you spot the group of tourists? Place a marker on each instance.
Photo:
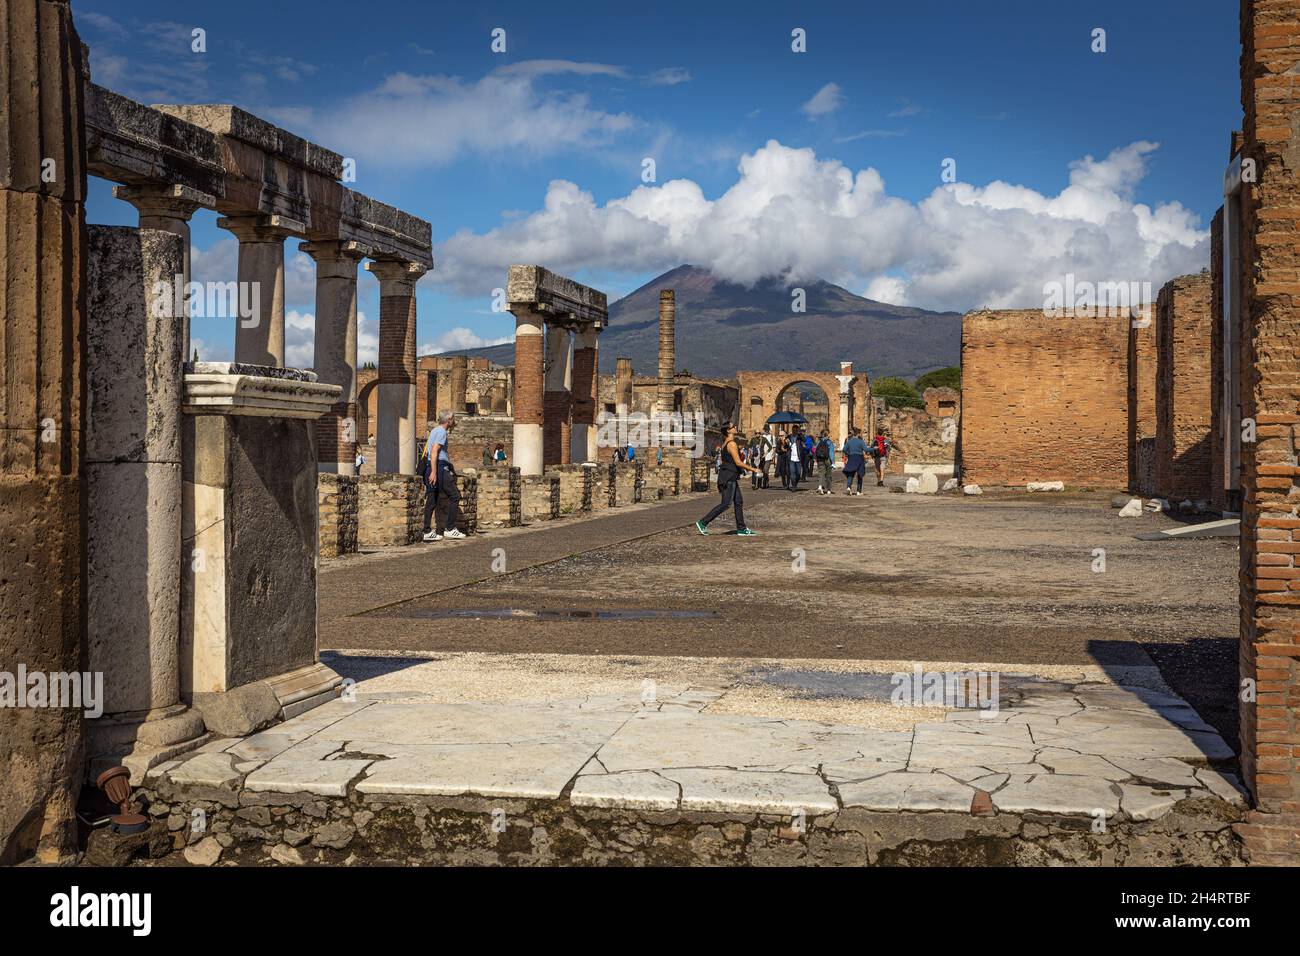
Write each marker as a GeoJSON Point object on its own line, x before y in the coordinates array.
{"type": "Point", "coordinates": [795, 457]}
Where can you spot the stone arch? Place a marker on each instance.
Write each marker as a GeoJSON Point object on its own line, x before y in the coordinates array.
{"type": "Point", "coordinates": [367, 379]}
{"type": "Point", "coordinates": [761, 390]}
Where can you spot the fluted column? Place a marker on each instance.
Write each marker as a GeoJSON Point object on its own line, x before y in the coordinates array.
{"type": "Point", "coordinates": [168, 208]}
{"type": "Point", "coordinates": [582, 443]}
{"type": "Point", "coordinates": [335, 360]}
{"type": "Point", "coordinates": [556, 401]}
{"type": "Point", "coordinates": [395, 450]}
{"type": "Point", "coordinates": [528, 410]}
{"type": "Point", "coordinates": [259, 338]}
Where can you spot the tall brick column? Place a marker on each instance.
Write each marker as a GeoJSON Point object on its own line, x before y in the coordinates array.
{"type": "Point", "coordinates": [528, 400]}
{"type": "Point", "coordinates": [622, 387]}
{"type": "Point", "coordinates": [1270, 392]}
{"type": "Point", "coordinates": [555, 447]}
{"type": "Point", "coordinates": [335, 361]}
{"type": "Point", "coordinates": [259, 339]}
{"type": "Point", "coordinates": [459, 381]}
{"type": "Point", "coordinates": [395, 451]}
{"type": "Point", "coordinates": [169, 208]}
{"type": "Point", "coordinates": [667, 350]}
{"type": "Point", "coordinates": [1183, 396]}
{"type": "Point", "coordinates": [42, 327]}
{"type": "Point", "coordinates": [582, 446]}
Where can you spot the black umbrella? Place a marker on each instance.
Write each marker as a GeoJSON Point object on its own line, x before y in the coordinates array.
{"type": "Point", "coordinates": [787, 418]}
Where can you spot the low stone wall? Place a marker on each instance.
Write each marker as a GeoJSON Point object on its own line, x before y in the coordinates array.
{"type": "Point", "coordinates": [575, 487]}
{"type": "Point", "coordinates": [661, 481]}
{"type": "Point", "coordinates": [389, 510]}
{"type": "Point", "coordinates": [336, 497]}
{"type": "Point", "coordinates": [540, 497]}
{"type": "Point", "coordinates": [257, 828]}
{"type": "Point", "coordinates": [627, 482]}
{"type": "Point", "coordinates": [699, 474]}
{"type": "Point", "coordinates": [602, 486]}
{"type": "Point", "coordinates": [499, 498]}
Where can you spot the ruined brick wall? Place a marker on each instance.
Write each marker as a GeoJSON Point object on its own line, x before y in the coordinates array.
{"type": "Point", "coordinates": [1270, 374]}
{"type": "Point", "coordinates": [602, 486]}
{"type": "Point", "coordinates": [1142, 402]}
{"type": "Point", "coordinates": [1218, 489]}
{"type": "Point", "coordinates": [465, 444]}
{"type": "Point", "coordinates": [627, 482]}
{"type": "Point", "coordinates": [389, 510]}
{"type": "Point", "coordinates": [575, 487]}
{"type": "Point", "coordinates": [1183, 388]}
{"type": "Point", "coordinates": [337, 514]}
{"type": "Point", "coordinates": [942, 402]}
{"type": "Point", "coordinates": [922, 441]}
{"type": "Point", "coordinates": [499, 501]}
{"type": "Point", "coordinates": [1044, 398]}
{"type": "Point", "coordinates": [660, 481]}
{"type": "Point", "coordinates": [540, 497]}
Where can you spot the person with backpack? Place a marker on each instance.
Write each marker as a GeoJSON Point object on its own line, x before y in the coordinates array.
{"type": "Point", "coordinates": [729, 485]}
{"type": "Point", "coordinates": [806, 455]}
{"type": "Point", "coordinates": [824, 454]}
{"type": "Point", "coordinates": [855, 461]}
{"type": "Point", "coordinates": [881, 445]}
{"type": "Point", "coordinates": [439, 476]}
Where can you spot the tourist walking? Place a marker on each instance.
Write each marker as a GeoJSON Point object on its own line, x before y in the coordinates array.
{"type": "Point", "coordinates": [729, 485]}
{"type": "Point", "coordinates": [440, 482]}
{"type": "Point", "coordinates": [807, 455]}
{"type": "Point", "coordinates": [824, 454]}
{"type": "Point", "coordinates": [855, 460]}
{"type": "Point", "coordinates": [794, 466]}
{"type": "Point", "coordinates": [881, 446]}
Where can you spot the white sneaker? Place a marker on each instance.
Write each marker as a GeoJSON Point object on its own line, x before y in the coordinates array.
{"type": "Point", "coordinates": [431, 536]}
{"type": "Point", "coordinates": [452, 533]}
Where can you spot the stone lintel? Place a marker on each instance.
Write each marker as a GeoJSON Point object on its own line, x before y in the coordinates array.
{"type": "Point", "coordinates": [174, 200]}
{"type": "Point", "coordinates": [229, 388]}
{"type": "Point", "coordinates": [560, 299]}
{"type": "Point", "coordinates": [225, 119]}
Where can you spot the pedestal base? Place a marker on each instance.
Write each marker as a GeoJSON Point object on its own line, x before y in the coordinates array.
{"type": "Point", "coordinates": [139, 741]}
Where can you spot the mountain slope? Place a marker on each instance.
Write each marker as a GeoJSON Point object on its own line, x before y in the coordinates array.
{"type": "Point", "coordinates": [723, 328]}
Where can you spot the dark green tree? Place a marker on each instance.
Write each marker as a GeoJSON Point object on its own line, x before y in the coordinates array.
{"type": "Point", "coordinates": [896, 392]}
{"type": "Point", "coordinates": [949, 377]}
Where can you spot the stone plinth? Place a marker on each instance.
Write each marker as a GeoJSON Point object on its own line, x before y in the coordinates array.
{"type": "Point", "coordinates": [133, 520]}
{"type": "Point", "coordinates": [337, 497]}
{"type": "Point", "coordinates": [540, 497]}
{"type": "Point", "coordinates": [575, 487]}
{"type": "Point", "coordinates": [499, 502]}
{"type": "Point", "coordinates": [389, 510]}
{"type": "Point", "coordinates": [248, 598]}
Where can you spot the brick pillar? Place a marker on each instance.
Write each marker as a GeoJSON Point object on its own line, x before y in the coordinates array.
{"type": "Point", "coordinates": [459, 381]}
{"type": "Point", "coordinates": [585, 383]}
{"type": "Point", "coordinates": [528, 398]}
{"type": "Point", "coordinates": [168, 208]}
{"type": "Point", "coordinates": [395, 451]}
{"type": "Point", "coordinates": [259, 337]}
{"type": "Point", "coordinates": [667, 349]}
{"type": "Point", "coordinates": [623, 387]}
{"type": "Point", "coordinates": [335, 361]}
{"type": "Point", "coordinates": [1142, 401]}
{"type": "Point", "coordinates": [1183, 388]}
{"type": "Point", "coordinates": [555, 448]}
{"type": "Point", "coordinates": [42, 324]}
{"type": "Point", "coordinates": [1270, 391]}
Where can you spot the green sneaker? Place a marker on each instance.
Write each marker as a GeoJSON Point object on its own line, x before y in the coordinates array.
{"type": "Point", "coordinates": [699, 526]}
{"type": "Point", "coordinates": [746, 533]}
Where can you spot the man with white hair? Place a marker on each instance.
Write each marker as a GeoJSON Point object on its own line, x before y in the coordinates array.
{"type": "Point", "coordinates": [441, 482]}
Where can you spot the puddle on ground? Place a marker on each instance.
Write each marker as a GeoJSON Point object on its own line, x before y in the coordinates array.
{"type": "Point", "coordinates": [562, 614]}
{"type": "Point", "coordinates": [825, 685]}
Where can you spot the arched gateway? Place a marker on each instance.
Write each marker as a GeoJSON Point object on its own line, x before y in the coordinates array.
{"type": "Point", "coordinates": [848, 397]}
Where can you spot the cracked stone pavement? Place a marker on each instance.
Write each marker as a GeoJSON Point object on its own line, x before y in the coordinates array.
{"type": "Point", "coordinates": [1053, 747]}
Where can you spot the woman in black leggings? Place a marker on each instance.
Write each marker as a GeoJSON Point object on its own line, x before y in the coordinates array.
{"type": "Point", "coordinates": [729, 470]}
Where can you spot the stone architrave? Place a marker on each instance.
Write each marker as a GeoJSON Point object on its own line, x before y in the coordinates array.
{"type": "Point", "coordinates": [168, 207]}
{"type": "Point", "coordinates": [259, 337]}
{"type": "Point", "coordinates": [395, 451]}
{"type": "Point", "coordinates": [133, 474]}
{"type": "Point", "coordinates": [335, 360]}
{"type": "Point", "coordinates": [248, 597]}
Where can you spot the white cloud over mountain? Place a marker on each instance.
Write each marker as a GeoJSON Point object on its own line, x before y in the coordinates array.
{"type": "Point", "coordinates": [793, 215]}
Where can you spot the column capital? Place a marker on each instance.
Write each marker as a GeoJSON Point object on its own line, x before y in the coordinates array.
{"type": "Point", "coordinates": [396, 276]}
{"type": "Point", "coordinates": [336, 258]}
{"type": "Point", "coordinates": [258, 227]}
{"type": "Point", "coordinates": [845, 381]}
{"type": "Point", "coordinates": [165, 200]}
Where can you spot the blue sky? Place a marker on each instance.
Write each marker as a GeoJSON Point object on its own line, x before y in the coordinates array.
{"type": "Point", "coordinates": [823, 163]}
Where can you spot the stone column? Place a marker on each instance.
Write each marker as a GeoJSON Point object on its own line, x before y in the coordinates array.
{"type": "Point", "coordinates": [335, 361]}
{"type": "Point", "coordinates": [133, 476]}
{"type": "Point", "coordinates": [528, 408]}
{"type": "Point", "coordinates": [459, 382]}
{"type": "Point", "coordinates": [395, 450]}
{"type": "Point", "coordinates": [168, 208]}
{"type": "Point", "coordinates": [259, 328]}
{"type": "Point", "coordinates": [846, 404]}
{"type": "Point", "coordinates": [42, 321]}
{"type": "Point", "coordinates": [556, 402]}
{"type": "Point", "coordinates": [510, 391]}
{"type": "Point", "coordinates": [582, 443]}
{"type": "Point", "coordinates": [623, 387]}
{"type": "Point", "coordinates": [667, 349]}
{"type": "Point", "coordinates": [500, 394]}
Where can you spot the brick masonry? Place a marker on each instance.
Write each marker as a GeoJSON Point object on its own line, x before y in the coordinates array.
{"type": "Point", "coordinates": [389, 510]}
{"type": "Point", "coordinates": [627, 482]}
{"type": "Point", "coordinates": [500, 504]}
{"type": "Point", "coordinates": [1183, 388]}
{"type": "Point", "coordinates": [1142, 402]}
{"type": "Point", "coordinates": [1270, 339]}
{"type": "Point", "coordinates": [1218, 489]}
{"type": "Point", "coordinates": [337, 514]}
{"type": "Point", "coordinates": [540, 497]}
{"type": "Point", "coordinates": [1044, 398]}
{"type": "Point", "coordinates": [576, 483]}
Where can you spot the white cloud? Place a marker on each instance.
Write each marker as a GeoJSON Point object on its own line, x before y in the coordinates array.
{"type": "Point", "coordinates": [300, 339]}
{"type": "Point", "coordinates": [826, 100]}
{"type": "Point", "coordinates": [461, 338]}
{"type": "Point", "coordinates": [792, 215]}
{"type": "Point", "coordinates": [425, 120]}
{"type": "Point", "coordinates": [669, 76]}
